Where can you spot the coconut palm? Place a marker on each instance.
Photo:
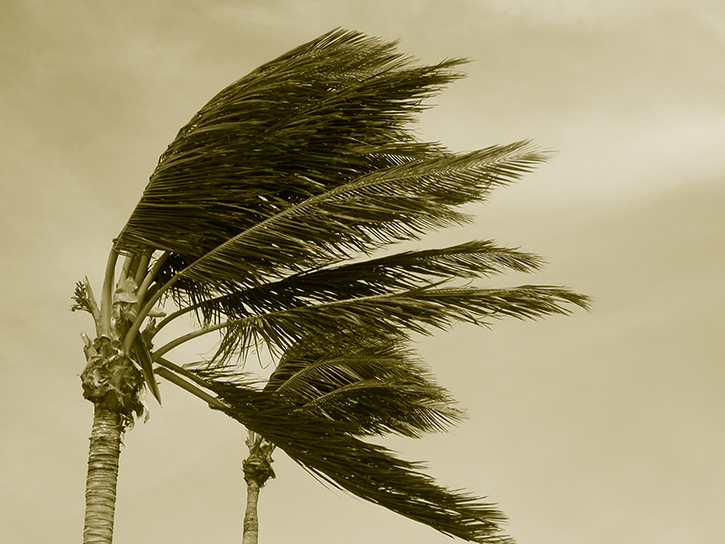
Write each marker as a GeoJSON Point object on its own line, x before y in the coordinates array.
{"type": "Point", "coordinates": [264, 221]}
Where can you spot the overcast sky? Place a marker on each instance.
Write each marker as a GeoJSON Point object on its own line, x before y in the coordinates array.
{"type": "Point", "coordinates": [602, 427]}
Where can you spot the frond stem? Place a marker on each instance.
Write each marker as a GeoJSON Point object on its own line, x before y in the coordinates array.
{"type": "Point", "coordinates": [95, 311]}
{"type": "Point", "coordinates": [149, 278]}
{"type": "Point", "coordinates": [107, 299]}
{"type": "Point", "coordinates": [136, 326]}
{"type": "Point", "coordinates": [212, 401]}
{"type": "Point", "coordinates": [142, 267]}
{"type": "Point", "coordinates": [127, 263]}
{"type": "Point", "coordinates": [181, 370]}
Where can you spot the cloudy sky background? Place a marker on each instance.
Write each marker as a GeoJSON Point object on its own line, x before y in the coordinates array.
{"type": "Point", "coordinates": [593, 428]}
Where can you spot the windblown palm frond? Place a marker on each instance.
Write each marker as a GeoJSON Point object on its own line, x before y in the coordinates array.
{"type": "Point", "coordinates": [316, 118]}
{"type": "Point", "coordinates": [390, 273]}
{"type": "Point", "coordinates": [396, 315]}
{"type": "Point", "coordinates": [376, 387]}
{"type": "Point", "coordinates": [329, 450]}
{"type": "Point", "coordinates": [324, 395]}
{"type": "Point", "coordinates": [308, 160]}
{"type": "Point", "coordinates": [382, 207]}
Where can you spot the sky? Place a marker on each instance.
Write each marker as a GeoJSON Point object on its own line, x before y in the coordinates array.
{"type": "Point", "coordinates": [592, 428]}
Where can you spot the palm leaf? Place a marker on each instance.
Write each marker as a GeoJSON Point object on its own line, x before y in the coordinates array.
{"type": "Point", "coordinates": [390, 273]}
{"type": "Point", "coordinates": [144, 360]}
{"type": "Point", "coordinates": [394, 315]}
{"type": "Point", "coordinates": [329, 450]}
{"type": "Point", "coordinates": [315, 118]}
{"type": "Point", "coordinates": [306, 164]}
{"type": "Point", "coordinates": [378, 407]}
{"type": "Point", "coordinates": [376, 386]}
{"type": "Point", "coordinates": [383, 207]}
{"type": "Point", "coordinates": [277, 174]}
{"type": "Point", "coordinates": [326, 392]}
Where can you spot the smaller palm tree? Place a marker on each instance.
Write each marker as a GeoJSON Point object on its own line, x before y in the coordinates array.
{"type": "Point", "coordinates": [264, 220]}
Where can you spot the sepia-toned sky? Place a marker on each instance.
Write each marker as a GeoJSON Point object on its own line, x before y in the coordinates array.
{"type": "Point", "coordinates": [601, 427]}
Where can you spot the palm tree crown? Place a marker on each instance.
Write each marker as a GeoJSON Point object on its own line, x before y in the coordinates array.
{"type": "Point", "coordinates": [264, 218]}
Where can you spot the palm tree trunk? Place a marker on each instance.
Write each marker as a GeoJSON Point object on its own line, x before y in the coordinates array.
{"type": "Point", "coordinates": [102, 475]}
{"type": "Point", "coordinates": [251, 522]}
{"type": "Point", "coordinates": [257, 470]}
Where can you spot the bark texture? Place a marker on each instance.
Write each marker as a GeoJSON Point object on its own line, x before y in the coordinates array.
{"type": "Point", "coordinates": [102, 475]}
{"type": "Point", "coordinates": [257, 470]}
{"type": "Point", "coordinates": [251, 521]}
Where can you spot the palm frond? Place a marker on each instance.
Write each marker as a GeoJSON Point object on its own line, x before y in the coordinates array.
{"type": "Point", "coordinates": [395, 315]}
{"type": "Point", "coordinates": [306, 161]}
{"type": "Point", "coordinates": [304, 164]}
{"type": "Point", "coordinates": [379, 407]}
{"type": "Point", "coordinates": [387, 274]}
{"type": "Point", "coordinates": [385, 206]}
{"type": "Point", "coordinates": [326, 392]}
{"type": "Point", "coordinates": [337, 360]}
{"type": "Point", "coordinates": [329, 450]}
{"type": "Point", "coordinates": [327, 112]}
{"type": "Point", "coordinates": [376, 386]}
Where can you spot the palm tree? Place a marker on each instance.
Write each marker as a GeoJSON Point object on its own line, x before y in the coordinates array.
{"type": "Point", "coordinates": [263, 220]}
